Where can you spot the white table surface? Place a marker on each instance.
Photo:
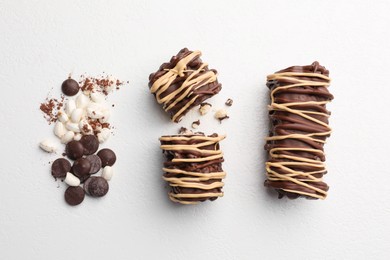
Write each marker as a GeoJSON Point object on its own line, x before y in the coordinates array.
{"type": "Point", "coordinates": [42, 41]}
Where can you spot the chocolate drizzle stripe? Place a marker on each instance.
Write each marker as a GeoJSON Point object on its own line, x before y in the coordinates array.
{"type": "Point", "coordinates": [202, 195]}
{"type": "Point", "coordinates": [177, 182]}
{"type": "Point", "coordinates": [288, 163]}
{"type": "Point", "coordinates": [297, 136]}
{"type": "Point", "coordinates": [208, 158]}
{"type": "Point", "coordinates": [279, 75]}
{"type": "Point", "coordinates": [194, 81]}
{"type": "Point", "coordinates": [183, 147]}
{"type": "Point", "coordinates": [181, 201]}
{"type": "Point", "coordinates": [191, 179]}
{"type": "Point", "coordinates": [295, 149]}
{"type": "Point", "coordinates": [174, 197]}
{"type": "Point", "coordinates": [298, 112]}
{"type": "Point", "coordinates": [184, 108]}
{"type": "Point", "coordinates": [193, 137]}
{"type": "Point", "coordinates": [193, 146]}
{"type": "Point", "coordinates": [275, 176]}
{"type": "Point", "coordinates": [273, 153]}
{"type": "Point", "coordinates": [205, 78]}
{"type": "Point", "coordinates": [203, 176]}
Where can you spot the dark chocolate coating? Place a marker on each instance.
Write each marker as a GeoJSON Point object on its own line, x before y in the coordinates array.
{"type": "Point", "coordinates": [74, 195]}
{"type": "Point", "coordinates": [90, 143]}
{"type": "Point", "coordinates": [70, 87]}
{"type": "Point", "coordinates": [199, 167]}
{"type": "Point", "coordinates": [203, 91]}
{"type": "Point", "coordinates": [285, 123]}
{"type": "Point", "coordinates": [60, 167]}
{"type": "Point", "coordinates": [107, 156]}
{"type": "Point", "coordinates": [74, 150]}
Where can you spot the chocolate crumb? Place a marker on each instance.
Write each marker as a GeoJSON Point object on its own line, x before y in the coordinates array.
{"type": "Point", "coordinates": [204, 104]}
{"type": "Point", "coordinates": [229, 102]}
{"type": "Point", "coordinates": [221, 114]}
{"type": "Point", "coordinates": [51, 107]}
{"type": "Point", "coordinates": [223, 118]}
{"type": "Point", "coordinates": [195, 124]}
{"type": "Point", "coordinates": [204, 108]}
{"type": "Point", "coordinates": [97, 126]}
{"type": "Point", "coordinates": [85, 128]}
{"type": "Point", "coordinates": [184, 130]}
{"type": "Point", "coordinates": [103, 85]}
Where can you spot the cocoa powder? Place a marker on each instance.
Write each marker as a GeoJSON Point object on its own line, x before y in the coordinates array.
{"type": "Point", "coordinates": [51, 107]}
{"type": "Point", "coordinates": [104, 84]}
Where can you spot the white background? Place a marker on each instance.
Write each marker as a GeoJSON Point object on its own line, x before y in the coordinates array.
{"type": "Point", "coordinates": [42, 41]}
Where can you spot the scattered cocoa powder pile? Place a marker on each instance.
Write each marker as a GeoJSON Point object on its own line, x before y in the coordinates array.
{"type": "Point", "coordinates": [97, 126]}
{"type": "Point", "coordinates": [104, 84]}
{"type": "Point", "coordinates": [51, 107]}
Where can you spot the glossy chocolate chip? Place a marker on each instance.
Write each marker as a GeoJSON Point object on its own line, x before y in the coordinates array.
{"type": "Point", "coordinates": [70, 87]}
{"type": "Point", "coordinates": [74, 150]}
{"type": "Point", "coordinates": [74, 195]}
{"type": "Point", "coordinates": [60, 167]}
{"type": "Point", "coordinates": [81, 167]}
{"type": "Point", "coordinates": [96, 186]}
{"type": "Point", "coordinates": [107, 156]}
{"type": "Point", "coordinates": [96, 163]}
{"type": "Point", "coordinates": [90, 143]}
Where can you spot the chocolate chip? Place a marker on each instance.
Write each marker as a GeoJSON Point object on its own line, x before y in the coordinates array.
{"type": "Point", "coordinates": [229, 102]}
{"type": "Point", "coordinates": [74, 150]}
{"type": "Point", "coordinates": [70, 87]}
{"type": "Point", "coordinates": [90, 143]}
{"type": "Point", "coordinates": [86, 184]}
{"type": "Point", "coordinates": [60, 167]}
{"type": "Point", "coordinates": [81, 167]}
{"type": "Point", "coordinates": [195, 124]}
{"type": "Point", "coordinates": [96, 186]}
{"type": "Point", "coordinates": [107, 156]}
{"type": "Point", "coordinates": [74, 195]}
{"type": "Point", "coordinates": [84, 178]}
{"type": "Point", "coordinates": [96, 163]}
